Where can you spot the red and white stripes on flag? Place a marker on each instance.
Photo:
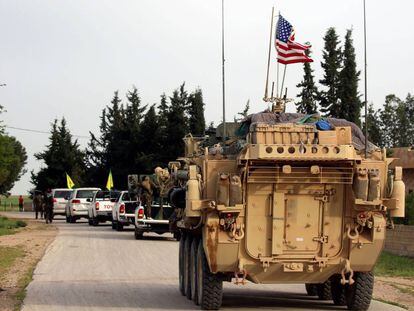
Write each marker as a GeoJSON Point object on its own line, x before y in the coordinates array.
{"type": "Point", "coordinates": [289, 51]}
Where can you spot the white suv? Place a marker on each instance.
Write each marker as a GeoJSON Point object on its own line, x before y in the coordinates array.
{"type": "Point", "coordinates": [77, 206]}
{"type": "Point", "coordinates": [100, 209]}
{"type": "Point", "coordinates": [60, 199]}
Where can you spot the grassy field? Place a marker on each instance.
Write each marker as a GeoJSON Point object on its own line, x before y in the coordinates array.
{"type": "Point", "coordinates": [8, 226]}
{"type": "Point", "coordinates": [11, 203]}
{"type": "Point", "coordinates": [393, 265]}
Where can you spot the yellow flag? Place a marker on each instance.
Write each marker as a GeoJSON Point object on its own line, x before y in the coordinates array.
{"type": "Point", "coordinates": [110, 182]}
{"type": "Point", "coordinates": [69, 181]}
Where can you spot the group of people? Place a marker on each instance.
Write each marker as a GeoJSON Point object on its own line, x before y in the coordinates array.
{"type": "Point", "coordinates": [43, 205]}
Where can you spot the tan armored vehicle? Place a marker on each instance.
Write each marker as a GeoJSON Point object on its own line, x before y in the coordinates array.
{"type": "Point", "coordinates": [289, 204]}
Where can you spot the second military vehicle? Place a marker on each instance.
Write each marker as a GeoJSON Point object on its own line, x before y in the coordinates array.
{"type": "Point", "coordinates": [293, 200]}
{"type": "Point", "coordinates": [100, 209]}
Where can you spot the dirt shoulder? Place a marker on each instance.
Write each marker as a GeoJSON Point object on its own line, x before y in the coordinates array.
{"type": "Point", "coordinates": [29, 244]}
{"type": "Point", "coordinates": [395, 290]}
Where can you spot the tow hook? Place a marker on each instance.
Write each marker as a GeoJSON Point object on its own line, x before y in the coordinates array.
{"type": "Point", "coordinates": [240, 277]}
{"type": "Point", "coordinates": [347, 269]}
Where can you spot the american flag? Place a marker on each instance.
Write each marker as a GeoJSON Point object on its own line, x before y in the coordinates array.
{"type": "Point", "coordinates": [289, 51]}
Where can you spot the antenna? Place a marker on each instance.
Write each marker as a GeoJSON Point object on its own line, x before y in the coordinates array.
{"type": "Point", "coordinates": [222, 66]}
{"type": "Point", "coordinates": [366, 82]}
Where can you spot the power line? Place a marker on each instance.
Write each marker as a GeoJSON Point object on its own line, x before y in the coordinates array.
{"type": "Point", "coordinates": [39, 132]}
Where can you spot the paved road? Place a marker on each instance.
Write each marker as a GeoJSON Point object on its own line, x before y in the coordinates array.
{"type": "Point", "coordinates": [96, 268]}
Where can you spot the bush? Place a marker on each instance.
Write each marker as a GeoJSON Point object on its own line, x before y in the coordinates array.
{"type": "Point", "coordinates": [7, 226]}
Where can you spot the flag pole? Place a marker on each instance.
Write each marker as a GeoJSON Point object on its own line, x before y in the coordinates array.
{"type": "Point", "coordinates": [366, 81]}
{"type": "Point", "coordinates": [277, 75]}
{"type": "Point", "coordinates": [223, 70]}
{"type": "Point", "coordinates": [268, 59]}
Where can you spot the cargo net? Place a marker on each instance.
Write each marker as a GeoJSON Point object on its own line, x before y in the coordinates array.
{"type": "Point", "coordinates": [271, 118]}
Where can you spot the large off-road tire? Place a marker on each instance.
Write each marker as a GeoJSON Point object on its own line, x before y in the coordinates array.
{"type": "Point", "coordinates": [193, 270]}
{"type": "Point", "coordinates": [311, 289]}
{"type": "Point", "coordinates": [95, 221]}
{"type": "Point", "coordinates": [177, 235]}
{"type": "Point", "coordinates": [359, 294]}
{"type": "Point", "coordinates": [338, 291]}
{"type": "Point", "coordinates": [187, 263]}
{"type": "Point", "coordinates": [181, 264]}
{"type": "Point", "coordinates": [210, 286]}
{"type": "Point", "coordinates": [72, 219]}
{"type": "Point", "coordinates": [139, 235]}
{"type": "Point", "coordinates": [324, 290]}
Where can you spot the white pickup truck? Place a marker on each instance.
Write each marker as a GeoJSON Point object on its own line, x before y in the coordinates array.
{"type": "Point", "coordinates": [123, 212]}
{"type": "Point", "coordinates": [78, 203]}
{"type": "Point", "coordinates": [100, 209]}
{"type": "Point", "coordinates": [159, 223]}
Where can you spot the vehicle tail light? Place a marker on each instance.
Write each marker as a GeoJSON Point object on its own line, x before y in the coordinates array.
{"type": "Point", "coordinates": [75, 201]}
{"type": "Point", "coordinates": [54, 200]}
{"type": "Point", "coordinates": [122, 209]}
{"type": "Point", "coordinates": [141, 213]}
{"type": "Point", "coordinates": [97, 205]}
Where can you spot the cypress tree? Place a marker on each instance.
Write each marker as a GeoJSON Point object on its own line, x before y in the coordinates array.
{"type": "Point", "coordinates": [62, 155]}
{"type": "Point", "coordinates": [389, 120]}
{"type": "Point", "coordinates": [350, 104]}
{"type": "Point", "coordinates": [177, 123]}
{"type": "Point", "coordinates": [197, 123]}
{"type": "Point", "coordinates": [309, 93]}
{"type": "Point", "coordinates": [329, 98]}
{"type": "Point", "coordinates": [374, 129]}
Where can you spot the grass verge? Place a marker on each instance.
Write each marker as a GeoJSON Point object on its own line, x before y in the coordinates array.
{"type": "Point", "coordinates": [393, 265]}
{"type": "Point", "coordinates": [392, 303]}
{"type": "Point", "coordinates": [8, 256]}
{"type": "Point", "coordinates": [22, 285]}
{"type": "Point", "coordinates": [8, 226]}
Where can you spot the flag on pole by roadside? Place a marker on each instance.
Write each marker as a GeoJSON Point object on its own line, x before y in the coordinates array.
{"type": "Point", "coordinates": [289, 51]}
{"type": "Point", "coordinates": [69, 181]}
{"type": "Point", "coordinates": [110, 182]}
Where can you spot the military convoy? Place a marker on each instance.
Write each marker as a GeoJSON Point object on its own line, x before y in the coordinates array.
{"type": "Point", "coordinates": [288, 201]}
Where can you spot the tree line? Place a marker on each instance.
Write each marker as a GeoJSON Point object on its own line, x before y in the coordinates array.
{"type": "Point", "coordinates": [337, 96]}
{"type": "Point", "coordinates": [133, 138]}
{"type": "Point", "coordinates": [13, 158]}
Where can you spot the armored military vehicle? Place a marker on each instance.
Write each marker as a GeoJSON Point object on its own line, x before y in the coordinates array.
{"type": "Point", "coordinates": [293, 201]}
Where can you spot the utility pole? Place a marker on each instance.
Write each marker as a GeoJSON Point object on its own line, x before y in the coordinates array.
{"type": "Point", "coordinates": [222, 66]}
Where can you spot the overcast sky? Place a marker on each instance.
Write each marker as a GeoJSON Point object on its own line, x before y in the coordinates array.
{"type": "Point", "coordinates": [66, 58]}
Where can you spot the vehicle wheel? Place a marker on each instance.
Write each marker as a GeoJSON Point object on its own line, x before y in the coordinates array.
{"type": "Point", "coordinates": [187, 265]}
{"type": "Point", "coordinates": [72, 219]}
{"type": "Point", "coordinates": [119, 226]}
{"type": "Point", "coordinates": [90, 222]}
{"type": "Point", "coordinates": [324, 290]}
{"type": "Point", "coordinates": [210, 286]}
{"type": "Point", "coordinates": [338, 291]}
{"type": "Point", "coordinates": [359, 294]}
{"type": "Point", "coordinates": [311, 289]}
{"type": "Point", "coordinates": [138, 234]}
{"type": "Point", "coordinates": [193, 270]}
{"type": "Point", "coordinates": [95, 222]}
{"type": "Point", "coordinates": [113, 225]}
{"type": "Point", "coordinates": [177, 235]}
{"type": "Point", "coordinates": [181, 265]}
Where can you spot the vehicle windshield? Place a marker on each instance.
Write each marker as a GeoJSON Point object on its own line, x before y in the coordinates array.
{"type": "Point", "coordinates": [126, 197]}
{"type": "Point", "coordinates": [106, 195]}
{"type": "Point", "coordinates": [85, 194]}
{"type": "Point", "coordinates": [62, 194]}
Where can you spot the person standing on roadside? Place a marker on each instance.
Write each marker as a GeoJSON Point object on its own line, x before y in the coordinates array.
{"type": "Point", "coordinates": [48, 206]}
{"type": "Point", "coordinates": [21, 202]}
{"type": "Point", "coordinates": [38, 205]}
